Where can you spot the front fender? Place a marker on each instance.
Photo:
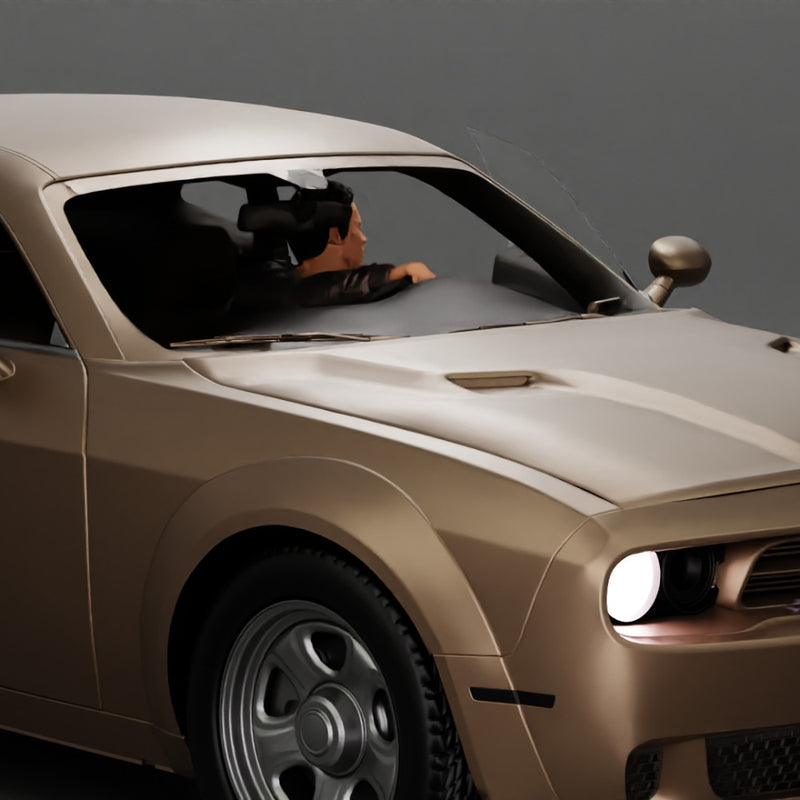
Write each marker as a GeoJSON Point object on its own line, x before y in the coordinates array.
{"type": "Point", "coordinates": [353, 507]}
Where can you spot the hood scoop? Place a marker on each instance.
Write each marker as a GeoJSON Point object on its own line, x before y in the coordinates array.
{"type": "Point", "coordinates": [783, 344]}
{"type": "Point", "coordinates": [492, 380]}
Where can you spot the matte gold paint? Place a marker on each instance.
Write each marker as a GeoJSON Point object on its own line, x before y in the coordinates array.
{"type": "Point", "coordinates": [125, 464]}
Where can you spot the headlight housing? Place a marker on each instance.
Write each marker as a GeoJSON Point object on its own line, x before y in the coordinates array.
{"type": "Point", "coordinates": [657, 584]}
{"type": "Point", "coordinates": [687, 579]}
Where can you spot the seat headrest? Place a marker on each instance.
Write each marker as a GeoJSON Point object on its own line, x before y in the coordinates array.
{"type": "Point", "coordinates": [291, 218]}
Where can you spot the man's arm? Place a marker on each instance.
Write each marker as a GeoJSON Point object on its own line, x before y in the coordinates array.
{"type": "Point", "coordinates": [415, 270]}
{"type": "Point", "coordinates": [340, 287]}
{"type": "Point", "coordinates": [334, 287]}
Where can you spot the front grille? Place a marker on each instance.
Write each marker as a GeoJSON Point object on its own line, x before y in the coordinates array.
{"type": "Point", "coordinates": [643, 772]}
{"type": "Point", "coordinates": [759, 764]}
{"type": "Point", "coordinates": [775, 579]}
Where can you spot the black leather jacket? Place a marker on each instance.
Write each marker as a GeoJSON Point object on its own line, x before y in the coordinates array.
{"type": "Point", "coordinates": [282, 287]}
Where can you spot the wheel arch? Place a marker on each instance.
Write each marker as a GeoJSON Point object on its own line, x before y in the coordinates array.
{"type": "Point", "coordinates": [201, 590]}
{"type": "Point", "coordinates": [326, 503]}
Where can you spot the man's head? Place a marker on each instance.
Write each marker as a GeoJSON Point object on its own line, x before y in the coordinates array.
{"type": "Point", "coordinates": [352, 244]}
{"type": "Point", "coordinates": [340, 246]}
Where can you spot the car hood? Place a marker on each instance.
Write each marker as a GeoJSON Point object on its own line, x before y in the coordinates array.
{"type": "Point", "coordinates": [635, 409]}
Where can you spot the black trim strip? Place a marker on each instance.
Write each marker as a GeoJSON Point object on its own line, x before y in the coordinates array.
{"type": "Point", "coordinates": [485, 695]}
{"type": "Point", "coordinates": [47, 349]}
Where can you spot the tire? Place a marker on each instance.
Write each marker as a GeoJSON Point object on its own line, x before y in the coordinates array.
{"type": "Point", "coordinates": [309, 683]}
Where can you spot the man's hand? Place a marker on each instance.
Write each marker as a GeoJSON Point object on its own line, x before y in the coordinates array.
{"type": "Point", "coordinates": [415, 270]}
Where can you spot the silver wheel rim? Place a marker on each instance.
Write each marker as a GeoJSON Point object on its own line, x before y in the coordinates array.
{"type": "Point", "coordinates": [305, 713]}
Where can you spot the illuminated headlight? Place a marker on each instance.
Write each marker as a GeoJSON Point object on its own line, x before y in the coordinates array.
{"type": "Point", "coordinates": [633, 586]}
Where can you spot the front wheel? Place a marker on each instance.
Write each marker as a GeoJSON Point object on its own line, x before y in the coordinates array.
{"type": "Point", "coordinates": [309, 683]}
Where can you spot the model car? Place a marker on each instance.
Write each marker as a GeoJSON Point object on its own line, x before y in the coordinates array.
{"type": "Point", "coordinates": [514, 532]}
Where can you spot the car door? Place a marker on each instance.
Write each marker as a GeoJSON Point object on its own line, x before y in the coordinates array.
{"type": "Point", "coordinates": [44, 595]}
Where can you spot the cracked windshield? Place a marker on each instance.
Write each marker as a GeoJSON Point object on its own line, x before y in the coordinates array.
{"type": "Point", "coordinates": [529, 177]}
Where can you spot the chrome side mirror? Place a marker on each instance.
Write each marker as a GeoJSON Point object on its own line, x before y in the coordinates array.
{"type": "Point", "coordinates": [675, 261]}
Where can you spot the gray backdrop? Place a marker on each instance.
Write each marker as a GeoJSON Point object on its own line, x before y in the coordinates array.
{"type": "Point", "coordinates": [639, 118]}
{"type": "Point", "coordinates": [650, 117]}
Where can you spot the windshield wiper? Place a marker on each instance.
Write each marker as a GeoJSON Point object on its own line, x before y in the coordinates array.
{"type": "Point", "coordinates": [565, 318]}
{"type": "Point", "coordinates": [267, 338]}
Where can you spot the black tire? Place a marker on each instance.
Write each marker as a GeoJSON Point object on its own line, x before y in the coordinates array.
{"type": "Point", "coordinates": [308, 682]}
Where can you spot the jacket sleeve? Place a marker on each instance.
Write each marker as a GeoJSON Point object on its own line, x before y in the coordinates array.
{"type": "Point", "coordinates": [341, 287]}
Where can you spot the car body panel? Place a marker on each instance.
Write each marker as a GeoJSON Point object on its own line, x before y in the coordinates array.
{"type": "Point", "coordinates": [235, 460]}
{"type": "Point", "coordinates": [656, 678]}
{"type": "Point", "coordinates": [122, 133]}
{"type": "Point", "coordinates": [502, 754]}
{"type": "Point", "coordinates": [665, 394]}
{"type": "Point", "coordinates": [44, 591]}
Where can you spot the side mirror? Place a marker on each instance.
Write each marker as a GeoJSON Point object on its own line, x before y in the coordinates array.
{"type": "Point", "coordinates": [675, 261]}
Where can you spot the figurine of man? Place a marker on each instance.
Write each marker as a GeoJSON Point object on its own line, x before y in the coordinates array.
{"type": "Point", "coordinates": [331, 267]}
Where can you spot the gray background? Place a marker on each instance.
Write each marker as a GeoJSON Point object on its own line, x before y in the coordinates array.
{"type": "Point", "coordinates": [649, 117]}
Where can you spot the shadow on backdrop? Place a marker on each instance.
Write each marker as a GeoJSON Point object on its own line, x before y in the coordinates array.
{"type": "Point", "coordinates": [35, 770]}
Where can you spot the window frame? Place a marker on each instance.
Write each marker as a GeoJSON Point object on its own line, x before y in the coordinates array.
{"type": "Point", "coordinates": [7, 236]}
{"type": "Point", "coordinates": [134, 344]}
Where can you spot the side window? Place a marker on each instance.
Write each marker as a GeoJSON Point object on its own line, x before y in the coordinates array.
{"type": "Point", "coordinates": [216, 197]}
{"type": "Point", "coordinates": [24, 313]}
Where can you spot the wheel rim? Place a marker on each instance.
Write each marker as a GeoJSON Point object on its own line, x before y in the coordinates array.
{"type": "Point", "coordinates": [305, 712]}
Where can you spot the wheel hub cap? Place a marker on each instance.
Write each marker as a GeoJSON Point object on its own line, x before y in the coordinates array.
{"type": "Point", "coordinates": [331, 730]}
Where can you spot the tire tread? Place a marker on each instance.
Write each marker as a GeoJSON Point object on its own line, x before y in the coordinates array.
{"type": "Point", "coordinates": [449, 777]}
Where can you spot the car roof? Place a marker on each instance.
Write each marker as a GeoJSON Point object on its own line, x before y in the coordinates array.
{"type": "Point", "coordinates": [73, 135]}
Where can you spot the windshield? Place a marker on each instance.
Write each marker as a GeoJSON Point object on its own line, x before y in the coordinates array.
{"type": "Point", "coordinates": [371, 252]}
{"type": "Point", "coordinates": [529, 177]}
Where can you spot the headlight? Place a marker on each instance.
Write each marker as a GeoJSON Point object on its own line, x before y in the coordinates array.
{"type": "Point", "coordinates": [633, 586]}
{"type": "Point", "coordinates": [687, 578]}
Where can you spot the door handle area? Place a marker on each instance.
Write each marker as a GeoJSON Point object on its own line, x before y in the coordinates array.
{"type": "Point", "coordinates": [7, 368]}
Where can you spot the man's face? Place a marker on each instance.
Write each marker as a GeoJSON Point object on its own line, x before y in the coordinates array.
{"type": "Point", "coordinates": [353, 243]}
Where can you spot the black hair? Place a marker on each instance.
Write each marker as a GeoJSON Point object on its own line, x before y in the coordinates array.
{"type": "Point", "coordinates": [310, 244]}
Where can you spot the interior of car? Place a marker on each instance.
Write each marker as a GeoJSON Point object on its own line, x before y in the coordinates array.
{"type": "Point", "coordinates": [186, 260]}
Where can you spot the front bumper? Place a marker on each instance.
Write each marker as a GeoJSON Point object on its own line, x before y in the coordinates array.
{"type": "Point", "coordinates": [666, 699]}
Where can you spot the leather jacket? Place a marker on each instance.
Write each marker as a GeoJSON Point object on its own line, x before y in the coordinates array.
{"type": "Point", "coordinates": [282, 287]}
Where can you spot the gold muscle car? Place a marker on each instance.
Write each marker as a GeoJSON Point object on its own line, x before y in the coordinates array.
{"type": "Point", "coordinates": [312, 525]}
